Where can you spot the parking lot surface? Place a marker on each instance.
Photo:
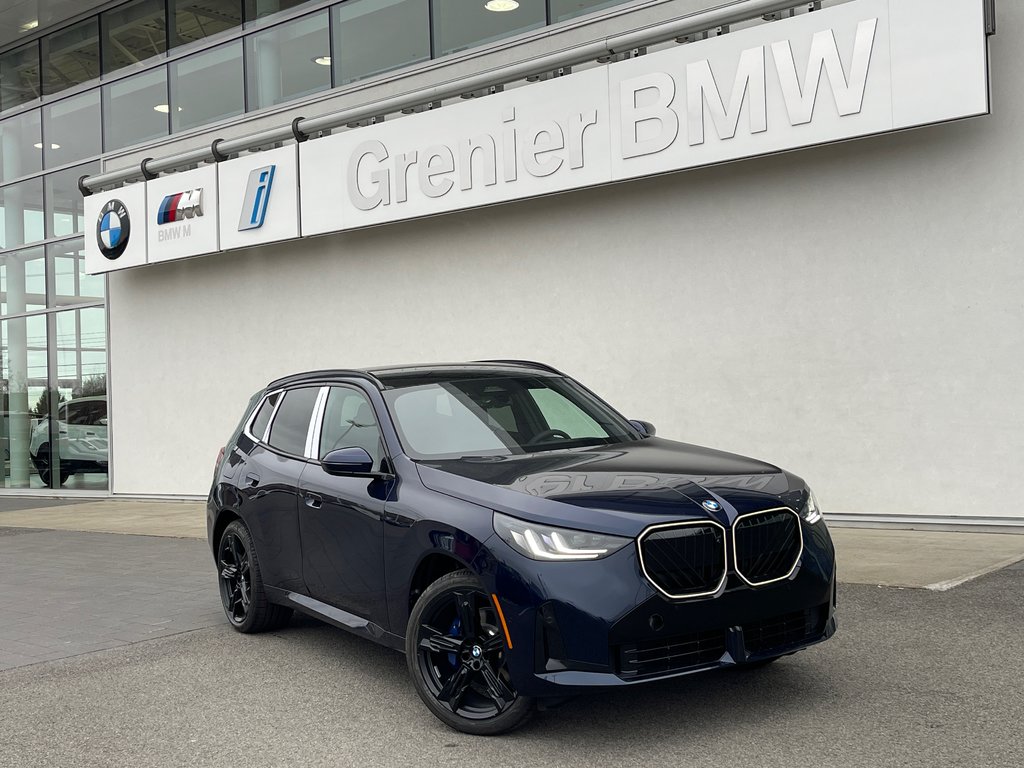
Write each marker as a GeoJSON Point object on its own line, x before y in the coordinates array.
{"type": "Point", "coordinates": [913, 678]}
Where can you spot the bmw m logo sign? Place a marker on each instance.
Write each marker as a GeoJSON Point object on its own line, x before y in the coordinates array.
{"type": "Point", "coordinates": [113, 229]}
{"type": "Point", "coordinates": [180, 206]}
{"type": "Point", "coordinates": [711, 505]}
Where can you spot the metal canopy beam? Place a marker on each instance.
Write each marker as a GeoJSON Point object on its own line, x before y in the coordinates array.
{"type": "Point", "coordinates": [732, 13]}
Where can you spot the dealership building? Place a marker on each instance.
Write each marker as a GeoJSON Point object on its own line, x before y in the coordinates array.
{"type": "Point", "coordinates": [790, 230]}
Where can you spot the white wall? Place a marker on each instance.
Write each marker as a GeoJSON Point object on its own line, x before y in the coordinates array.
{"type": "Point", "coordinates": [852, 313]}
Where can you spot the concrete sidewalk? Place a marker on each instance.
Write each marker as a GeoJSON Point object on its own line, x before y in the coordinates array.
{"type": "Point", "coordinates": [937, 560]}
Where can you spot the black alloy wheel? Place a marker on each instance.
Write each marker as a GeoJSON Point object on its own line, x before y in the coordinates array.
{"type": "Point", "coordinates": [241, 584]}
{"type": "Point", "coordinates": [456, 653]}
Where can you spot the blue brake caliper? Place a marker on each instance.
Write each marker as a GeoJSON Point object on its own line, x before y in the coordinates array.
{"type": "Point", "coordinates": [455, 630]}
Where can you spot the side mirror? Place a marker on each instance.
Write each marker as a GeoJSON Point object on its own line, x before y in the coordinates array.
{"type": "Point", "coordinates": [348, 461]}
{"type": "Point", "coordinates": [645, 428]}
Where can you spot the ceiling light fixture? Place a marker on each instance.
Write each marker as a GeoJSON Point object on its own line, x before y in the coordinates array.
{"type": "Point", "coordinates": [39, 145]}
{"type": "Point", "coordinates": [499, 6]}
{"type": "Point", "coordinates": [28, 26]}
{"type": "Point", "coordinates": [163, 108]}
{"type": "Point", "coordinates": [323, 61]}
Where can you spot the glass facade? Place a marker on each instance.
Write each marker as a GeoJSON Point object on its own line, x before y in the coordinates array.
{"type": "Point", "coordinates": [71, 56]}
{"type": "Point", "coordinates": [207, 87]}
{"type": "Point", "coordinates": [53, 370]}
{"type": "Point", "coordinates": [288, 61]}
{"type": "Point", "coordinates": [459, 25]}
{"type": "Point", "coordinates": [134, 73]}
{"type": "Point", "coordinates": [359, 25]}
{"type": "Point", "coordinates": [132, 33]}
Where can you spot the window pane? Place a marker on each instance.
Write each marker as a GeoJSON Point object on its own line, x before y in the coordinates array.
{"type": "Point", "coordinates": [135, 109]}
{"type": "Point", "coordinates": [459, 25]}
{"type": "Point", "coordinates": [258, 428]}
{"type": "Point", "coordinates": [359, 27]}
{"type": "Point", "coordinates": [65, 206]}
{"type": "Point", "coordinates": [21, 213]}
{"type": "Point", "coordinates": [72, 129]}
{"type": "Point", "coordinates": [349, 422]}
{"type": "Point", "coordinates": [133, 33]}
{"type": "Point", "coordinates": [291, 424]}
{"type": "Point", "coordinates": [282, 61]}
{"type": "Point", "coordinates": [19, 76]}
{"type": "Point", "coordinates": [80, 460]}
{"type": "Point", "coordinates": [20, 146]}
{"type": "Point", "coordinates": [71, 56]}
{"type": "Point", "coordinates": [566, 9]}
{"type": "Point", "coordinates": [257, 9]}
{"type": "Point", "coordinates": [71, 285]}
{"type": "Point", "coordinates": [193, 20]}
{"type": "Point", "coordinates": [565, 416]}
{"type": "Point", "coordinates": [24, 430]}
{"type": "Point", "coordinates": [22, 281]}
{"type": "Point", "coordinates": [207, 87]}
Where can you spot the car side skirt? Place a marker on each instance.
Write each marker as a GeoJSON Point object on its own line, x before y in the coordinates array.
{"type": "Point", "coordinates": [336, 617]}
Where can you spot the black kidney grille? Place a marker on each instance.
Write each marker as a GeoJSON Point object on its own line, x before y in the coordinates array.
{"type": "Point", "coordinates": [684, 560]}
{"type": "Point", "coordinates": [671, 654]}
{"type": "Point", "coordinates": [767, 545]}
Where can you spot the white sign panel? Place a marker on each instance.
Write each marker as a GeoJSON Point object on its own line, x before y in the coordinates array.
{"type": "Point", "coordinates": [259, 198]}
{"type": "Point", "coordinates": [856, 69]}
{"type": "Point", "coordinates": [536, 140]}
{"type": "Point", "coordinates": [115, 229]}
{"type": "Point", "coordinates": [182, 214]}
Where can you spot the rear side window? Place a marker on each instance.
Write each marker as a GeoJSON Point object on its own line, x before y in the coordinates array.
{"type": "Point", "coordinates": [288, 432]}
{"type": "Point", "coordinates": [259, 424]}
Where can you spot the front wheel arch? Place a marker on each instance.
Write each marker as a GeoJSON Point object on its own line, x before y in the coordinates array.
{"type": "Point", "coordinates": [432, 567]}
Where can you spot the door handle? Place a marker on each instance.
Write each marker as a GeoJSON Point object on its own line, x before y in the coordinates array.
{"type": "Point", "coordinates": [252, 480]}
{"type": "Point", "coordinates": [313, 500]}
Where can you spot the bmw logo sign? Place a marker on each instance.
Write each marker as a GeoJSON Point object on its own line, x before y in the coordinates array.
{"type": "Point", "coordinates": [113, 229]}
{"type": "Point", "coordinates": [711, 505]}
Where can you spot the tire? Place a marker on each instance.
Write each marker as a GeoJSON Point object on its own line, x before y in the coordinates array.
{"type": "Point", "coordinates": [241, 584]}
{"type": "Point", "coordinates": [44, 466]}
{"type": "Point", "coordinates": [462, 676]}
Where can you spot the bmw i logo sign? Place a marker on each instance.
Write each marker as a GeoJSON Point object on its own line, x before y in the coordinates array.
{"type": "Point", "coordinates": [113, 229]}
{"type": "Point", "coordinates": [711, 505]}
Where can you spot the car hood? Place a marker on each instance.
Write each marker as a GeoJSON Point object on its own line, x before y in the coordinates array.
{"type": "Point", "coordinates": [618, 488]}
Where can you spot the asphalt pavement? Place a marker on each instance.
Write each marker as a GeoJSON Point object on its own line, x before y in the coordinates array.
{"type": "Point", "coordinates": [913, 678]}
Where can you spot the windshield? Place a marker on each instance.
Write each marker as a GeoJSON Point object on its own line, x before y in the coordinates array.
{"type": "Point", "coordinates": [500, 416]}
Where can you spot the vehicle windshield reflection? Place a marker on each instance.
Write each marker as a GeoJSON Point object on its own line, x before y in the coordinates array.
{"type": "Point", "coordinates": [481, 418]}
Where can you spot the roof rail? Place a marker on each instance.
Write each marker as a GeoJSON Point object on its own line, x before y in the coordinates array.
{"type": "Point", "coordinates": [327, 373]}
{"type": "Point", "coordinates": [525, 363]}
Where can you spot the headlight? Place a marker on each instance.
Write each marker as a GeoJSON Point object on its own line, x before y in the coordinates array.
{"type": "Point", "coordinates": [543, 542]}
{"type": "Point", "coordinates": [812, 512]}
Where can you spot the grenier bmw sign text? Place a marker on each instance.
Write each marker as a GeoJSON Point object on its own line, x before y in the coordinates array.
{"type": "Point", "coordinates": [860, 68]}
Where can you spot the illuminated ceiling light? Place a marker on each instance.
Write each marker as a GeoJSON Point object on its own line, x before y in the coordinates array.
{"type": "Point", "coordinates": [28, 26]}
{"type": "Point", "coordinates": [165, 109]}
{"type": "Point", "coordinates": [498, 6]}
{"type": "Point", "coordinates": [323, 61]}
{"type": "Point", "coordinates": [39, 145]}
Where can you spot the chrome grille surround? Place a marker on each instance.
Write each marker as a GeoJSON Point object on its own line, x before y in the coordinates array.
{"type": "Point", "coordinates": [667, 526]}
{"type": "Point", "coordinates": [796, 558]}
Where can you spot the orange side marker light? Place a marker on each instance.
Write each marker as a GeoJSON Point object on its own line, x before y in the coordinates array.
{"type": "Point", "coordinates": [501, 618]}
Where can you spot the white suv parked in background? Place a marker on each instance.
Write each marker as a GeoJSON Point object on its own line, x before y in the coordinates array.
{"type": "Point", "coordinates": [82, 425]}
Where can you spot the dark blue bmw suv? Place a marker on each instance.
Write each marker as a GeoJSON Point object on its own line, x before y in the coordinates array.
{"type": "Point", "coordinates": [513, 534]}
